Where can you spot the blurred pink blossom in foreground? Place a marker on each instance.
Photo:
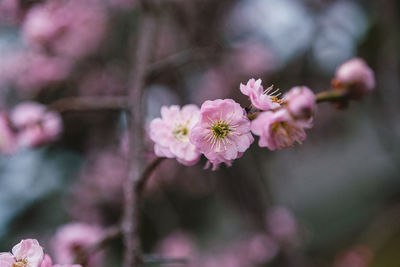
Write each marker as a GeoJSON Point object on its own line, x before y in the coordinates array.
{"type": "Point", "coordinates": [35, 124]}
{"type": "Point", "coordinates": [71, 28]}
{"type": "Point", "coordinates": [72, 239]}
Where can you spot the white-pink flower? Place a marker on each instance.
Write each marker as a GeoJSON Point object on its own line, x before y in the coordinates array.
{"type": "Point", "coordinates": [355, 76]}
{"type": "Point", "coordinates": [28, 253]}
{"type": "Point", "coordinates": [72, 239]}
{"type": "Point", "coordinates": [223, 131]}
{"type": "Point", "coordinates": [278, 130]}
{"type": "Point", "coordinates": [35, 124]}
{"type": "Point", "coordinates": [260, 98]}
{"type": "Point", "coordinates": [300, 102]}
{"type": "Point", "coordinates": [171, 132]}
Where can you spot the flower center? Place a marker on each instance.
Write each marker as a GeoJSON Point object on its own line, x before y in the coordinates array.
{"type": "Point", "coordinates": [20, 263]}
{"type": "Point", "coordinates": [220, 129]}
{"type": "Point", "coordinates": [273, 95]}
{"type": "Point", "coordinates": [181, 132]}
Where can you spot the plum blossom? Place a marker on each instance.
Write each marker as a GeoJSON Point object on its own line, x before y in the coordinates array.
{"type": "Point", "coordinates": [72, 238]}
{"type": "Point", "coordinates": [28, 253]}
{"type": "Point", "coordinates": [260, 98]}
{"type": "Point", "coordinates": [300, 102]}
{"type": "Point", "coordinates": [278, 130]}
{"type": "Point", "coordinates": [35, 124]}
{"type": "Point", "coordinates": [222, 133]}
{"type": "Point", "coordinates": [355, 76]}
{"type": "Point", "coordinates": [171, 132]}
{"type": "Point", "coordinates": [7, 136]}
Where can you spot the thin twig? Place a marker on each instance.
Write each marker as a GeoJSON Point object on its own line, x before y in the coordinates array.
{"type": "Point", "coordinates": [156, 259]}
{"type": "Point", "coordinates": [331, 96]}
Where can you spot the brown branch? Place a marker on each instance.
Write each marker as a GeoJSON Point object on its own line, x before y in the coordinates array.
{"type": "Point", "coordinates": [130, 224]}
{"type": "Point", "coordinates": [89, 103]}
{"type": "Point", "coordinates": [144, 178]}
{"type": "Point", "coordinates": [331, 96]}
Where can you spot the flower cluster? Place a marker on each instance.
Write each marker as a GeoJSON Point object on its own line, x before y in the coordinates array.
{"type": "Point", "coordinates": [28, 253]}
{"type": "Point", "coordinates": [29, 124]}
{"type": "Point", "coordinates": [222, 130]}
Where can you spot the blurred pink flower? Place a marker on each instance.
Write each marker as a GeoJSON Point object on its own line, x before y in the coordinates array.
{"type": "Point", "coordinates": [7, 136]}
{"type": "Point", "coordinates": [223, 131]}
{"type": "Point", "coordinates": [71, 28]}
{"type": "Point", "coordinates": [31, 71]}
{"type": "Point", "coordinates": [282, 224]}
{"type": "Point", "coordinates": [300, 102]}
{"type": "Point", "coordinates": [72, 239]}
{"type": "Point", "coordinates": [9, 12]}
{"type": "Point", "coordinates": [177, 245]}
{"type": "Point", "coordinates": [28, 253]}
{"type": "Point", "coordinates": [263, 100]}
{"type": "Point", "coordinates": [278, 130]}
{"type": "Point", "coordinates": [358, 256]}
{"type": "Point", "coordinates": [254, 58]}
{"type": "Point", "coordinates": [35, 124]}
{"type": "Point", "coordinates": [355, 76]}
{"type": "Point", "coordinates": [171, 133]}
{"type": "Point", "coordinates": [261, 249]}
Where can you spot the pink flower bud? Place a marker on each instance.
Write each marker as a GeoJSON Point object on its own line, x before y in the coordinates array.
{"type": "Point", "coordinates": [355, 76]}
{"type": "Point", "coordinates": [300, 102]}
{"type": "Point", "coordinates": [223, 131]}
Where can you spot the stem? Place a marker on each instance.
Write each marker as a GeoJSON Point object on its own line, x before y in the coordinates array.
{"type": "Point", "coordinates": [141, 184]}
{"type": "Point", "coordinates": [89, 103]}
{"type": "Point", "coordinates": [130, 225]}
{"type": "Point", "coordinates": [331, 96]}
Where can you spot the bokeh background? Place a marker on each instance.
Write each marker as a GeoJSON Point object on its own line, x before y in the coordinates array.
{"type": "Point", "coordinates": [332, 201]}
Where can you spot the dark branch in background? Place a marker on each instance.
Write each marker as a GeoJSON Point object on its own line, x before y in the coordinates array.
{"type": "Point", "coordinates": [130, 224]}
{"type": "Point", "coordinates": [90, 103]}
{"type": "Point", "coordinates": [141, 184]}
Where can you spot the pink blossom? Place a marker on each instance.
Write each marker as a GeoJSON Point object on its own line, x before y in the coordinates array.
{"type": "Point", "coordinates": [177, 245]}
{"type": "Point", "coordinates": [356, 76]}
{"type": "Point", "coordinates": [70, 28]}
{"type": "Point", "coordinates": [223, 131]}
{"type": "Point", "coordinates": [278, 130]}
{"type": "Point", "coordinates": [7, 137]}
{"type": "Point", "coordinates": [171, 133]}
{"type": "Point", "coordinates": [28, 253]}
{"type": "Point", "coordinates": [35, 124]}
{"type": "Point", "coordinates": [72, 238]}
{"type": "Point", "coordinates": [260, 98]}
{"type": "Point", "coordinates": [282, 224]}
{"type": "Point", "coordinates": [300, 102]}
